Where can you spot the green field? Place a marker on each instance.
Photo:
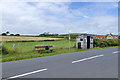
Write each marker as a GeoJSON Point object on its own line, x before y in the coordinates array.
{"type": "Point", "coordinates": [23, 47]}
{"type": "Point", "coordinates": [24, 50]}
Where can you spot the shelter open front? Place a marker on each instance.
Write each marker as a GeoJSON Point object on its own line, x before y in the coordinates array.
{"type": "Point", "coordinates": [88, 42]}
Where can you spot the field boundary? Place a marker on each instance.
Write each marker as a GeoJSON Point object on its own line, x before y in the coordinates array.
{"type": "Point", "coordinates": [27, 39]}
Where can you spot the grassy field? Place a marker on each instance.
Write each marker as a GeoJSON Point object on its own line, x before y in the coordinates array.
{"type": "Point", "coordinates": [24, 38]}
{"type": "Point", "coordinates": [24, 47]}
{"type": "Point", "coordinates": [24, 50]}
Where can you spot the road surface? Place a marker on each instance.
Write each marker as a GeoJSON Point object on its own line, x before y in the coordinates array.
{"type": "Point", "coordinates": [101, 63]}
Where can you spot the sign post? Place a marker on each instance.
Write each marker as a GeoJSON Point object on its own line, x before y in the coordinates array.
{"type": "Point", "coordinates": [69, 38]}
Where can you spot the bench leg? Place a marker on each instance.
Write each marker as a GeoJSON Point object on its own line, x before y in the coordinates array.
{"type": "Point", "coordinates": [40, 52]}
{"type": "Point", "coordinates": [51, 51]}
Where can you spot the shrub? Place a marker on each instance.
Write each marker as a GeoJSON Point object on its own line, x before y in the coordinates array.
{"type": "Point", "coordinates": [4, 50]}
{"type": "Point", "coordinates": [105, 42]}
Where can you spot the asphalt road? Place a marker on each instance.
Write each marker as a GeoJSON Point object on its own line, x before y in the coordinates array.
{"type": "Point", "coordinates": [85, 64]}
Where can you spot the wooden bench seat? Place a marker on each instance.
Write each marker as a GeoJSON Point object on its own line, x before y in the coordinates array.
{"type": "Point", "coordinates": [43, 48]}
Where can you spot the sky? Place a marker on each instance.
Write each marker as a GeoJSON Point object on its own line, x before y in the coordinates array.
{"type": "Point", "coordinates": [34, 18]}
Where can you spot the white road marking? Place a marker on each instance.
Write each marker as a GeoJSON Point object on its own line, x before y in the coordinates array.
{"type": "Point", "coordinates": [116, 52]}
{"type": "Point", "coordinates": [87, 58]}
{"type": "Point", "coordinates": [27, 73]}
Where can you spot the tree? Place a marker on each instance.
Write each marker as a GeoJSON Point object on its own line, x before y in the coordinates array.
{"type": "Point", "coordinates": [11, 34]}
{"type": "Point", "coordinates": [17, 34]}
{"type": "Point", "coordinates": [4, 34]}
{"type": "Point", "coordinates": [7, 32]}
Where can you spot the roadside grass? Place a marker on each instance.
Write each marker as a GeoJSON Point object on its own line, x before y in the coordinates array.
{"type": "Point", "coordinates": [14, 57]}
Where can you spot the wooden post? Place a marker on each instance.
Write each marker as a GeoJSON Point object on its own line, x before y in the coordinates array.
{"type": "Point", "coordinates": [43, 44]}
{"type": "Point", "coordinates": [61, 45]}
{"type": "Point", "coordinates": [14, 47]}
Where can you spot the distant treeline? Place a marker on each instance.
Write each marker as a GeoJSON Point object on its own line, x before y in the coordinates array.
{"type": "Point", "coordinates": [46, 34]}
{"type": "Point", "coordinates": [8, 33]}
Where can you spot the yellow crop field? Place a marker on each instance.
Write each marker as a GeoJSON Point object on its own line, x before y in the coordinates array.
{"type": "Point", "coordinates": [26, 38]}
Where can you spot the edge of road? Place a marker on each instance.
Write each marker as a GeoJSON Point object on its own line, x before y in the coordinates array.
{"type": "Point", "coordinates": [63, 53]}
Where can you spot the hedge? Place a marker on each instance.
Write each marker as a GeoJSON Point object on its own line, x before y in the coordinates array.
{"type": "Point", "coordinates": [105, 42]}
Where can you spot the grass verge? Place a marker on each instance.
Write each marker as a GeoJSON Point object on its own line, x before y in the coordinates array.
{"type": "Point", "coordinates": [20, 56]}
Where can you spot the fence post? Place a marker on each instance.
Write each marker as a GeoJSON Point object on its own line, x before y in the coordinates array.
{"type": "Point", "coordinates": [14, 47]}
{"type": "Point", "coordinates": [43, 44]}
{"type": "Point", "coordinates": [61, 45]}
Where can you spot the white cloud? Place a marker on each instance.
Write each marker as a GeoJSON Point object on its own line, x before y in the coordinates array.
{"type": "Point", "coordinates": [85, 16]}
{"type": "Point", "coordinates": [26, 18]}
